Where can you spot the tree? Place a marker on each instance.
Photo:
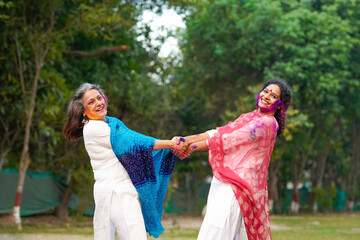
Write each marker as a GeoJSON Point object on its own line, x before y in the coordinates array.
{"type": "Point", "coordinates": [230, 46]}
{"type": "Point", "coordinates": [34, 36]}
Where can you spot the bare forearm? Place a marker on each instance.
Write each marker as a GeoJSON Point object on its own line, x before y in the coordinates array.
{"type": "Point", "coordinates": [197, 137]}
{"type": "Point", "coordinates": [162, 144]}
{"type": "Point", "coordinates": [198, 146]}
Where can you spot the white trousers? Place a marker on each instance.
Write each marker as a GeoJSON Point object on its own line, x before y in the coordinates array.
{"type": "Point", "coordinates": [118, 223]}
{"type": "Point", "coordinates": [223, 219]}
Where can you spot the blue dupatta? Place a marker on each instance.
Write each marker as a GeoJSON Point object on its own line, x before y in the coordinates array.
{"type": "Point", "coordinates": [149, 170]}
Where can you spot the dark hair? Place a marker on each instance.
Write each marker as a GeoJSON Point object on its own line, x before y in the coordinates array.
{"type": "Point", "coordinates": [73, 128]}
{"type": "Point", "coordinates": [285, 97]}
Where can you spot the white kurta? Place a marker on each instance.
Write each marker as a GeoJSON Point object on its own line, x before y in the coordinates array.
{"type": "Point", "coordinates": [111, 177]}
{"type": "Point", "coordinates": [223, 219]}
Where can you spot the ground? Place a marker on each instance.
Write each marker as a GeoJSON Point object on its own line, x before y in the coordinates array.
{"type": "Point", "coordinates": [335, 226]}
{"type": "Point", "coordinates": [44, 227]}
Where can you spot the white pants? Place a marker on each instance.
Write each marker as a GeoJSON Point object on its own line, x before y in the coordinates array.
{"type": "Point", "coordinates": [223, 219]}
{"type": "Point", "coordinates": [118, 223]}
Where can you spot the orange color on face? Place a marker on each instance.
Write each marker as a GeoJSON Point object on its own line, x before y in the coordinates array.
{"type": "Point", "coordinates": [92, 114]}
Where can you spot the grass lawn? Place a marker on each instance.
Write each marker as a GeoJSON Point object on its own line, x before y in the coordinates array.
{"type": "Point", "coordinates": [299, 227]}
{"type": "Point", "coordinates": [319, 227]}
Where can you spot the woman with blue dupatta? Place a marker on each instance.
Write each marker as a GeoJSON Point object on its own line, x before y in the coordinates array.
{"type": "Point", "coordinates": [131, 171]}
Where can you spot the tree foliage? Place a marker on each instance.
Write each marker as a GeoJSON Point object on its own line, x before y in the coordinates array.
{"type": "Point", "coordinates": [230, 47]}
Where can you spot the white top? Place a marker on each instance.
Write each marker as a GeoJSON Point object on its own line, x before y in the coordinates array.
{"type": "Point", "coordinates": [212, 132]}
{"type": "Point", "coordinates": [110, 177]}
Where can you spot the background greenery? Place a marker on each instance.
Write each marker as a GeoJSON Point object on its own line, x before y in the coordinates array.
{"type": "Point", "coordinates": [229, 48]}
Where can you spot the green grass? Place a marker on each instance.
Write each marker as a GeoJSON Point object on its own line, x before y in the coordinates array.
{"type": "Point", "coordinates": [47, 224]}
{"type": "Point", "coordinates": [177, 233]}
{"type": "Point", "coordinates": [319, 227]}
{"type": "Point", "coordinates": [299, 227]}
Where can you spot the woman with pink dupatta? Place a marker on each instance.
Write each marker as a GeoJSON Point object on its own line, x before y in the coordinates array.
{"type": "Point", "coordinates": [239, 155]}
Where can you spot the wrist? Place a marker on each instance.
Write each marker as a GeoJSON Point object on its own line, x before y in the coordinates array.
{"type": "Point", "coordinates": [173, 143]}
{"type": "Point", "coordinates": [192, 147]}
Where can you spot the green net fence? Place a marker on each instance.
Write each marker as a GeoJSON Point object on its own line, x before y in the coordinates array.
{"type": "Point", "coordinates": [43, 192]}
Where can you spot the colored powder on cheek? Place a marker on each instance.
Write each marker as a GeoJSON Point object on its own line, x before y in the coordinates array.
{"type": "Point", "coordinates": [257, 100]}
{"type": "Point", "coordinates": [270, 108]}
{"type": "Point", "coordinates": [194, 147]}
{"type": "Point", "coordinates": [93, 115]}
{"type": "Point", "coordinates": [105, 99]}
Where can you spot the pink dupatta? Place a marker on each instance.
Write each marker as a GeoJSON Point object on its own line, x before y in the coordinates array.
{"type": "Point", "coordinates": [239, 153]}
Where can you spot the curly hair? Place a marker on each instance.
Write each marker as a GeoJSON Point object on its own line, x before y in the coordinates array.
{"type": "Point", "coordinates": [285, 97]}
{"type": "Point", "coordinates": [73, 128]}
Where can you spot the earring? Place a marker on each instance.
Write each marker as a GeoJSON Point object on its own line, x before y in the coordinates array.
{"type": "Point", "coordinates": [85, 118]}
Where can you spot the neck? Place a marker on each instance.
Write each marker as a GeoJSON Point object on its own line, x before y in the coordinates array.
{"type": "Point", "coordinates": [98, 119]}
{"type": "Point", "coordinates": [266, 113]}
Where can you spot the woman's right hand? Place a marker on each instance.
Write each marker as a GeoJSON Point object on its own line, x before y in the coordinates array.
{"type": "Point", "coordinates": [178, 145]}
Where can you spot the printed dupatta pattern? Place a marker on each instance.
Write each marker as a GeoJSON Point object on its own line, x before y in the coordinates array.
{"type": "Point", "coordinates": [148, 170]}
{"type": "Point", "coordinates": [239, 153]}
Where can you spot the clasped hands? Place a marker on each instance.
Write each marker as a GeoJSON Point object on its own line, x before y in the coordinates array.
{"type": "Point", "coordinates": [181, 148]}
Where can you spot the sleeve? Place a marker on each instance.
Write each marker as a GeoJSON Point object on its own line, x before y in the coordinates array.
{"type": "Point", "coordinates": [232, 125]}
{"type": "Point", "coordinates": [211, 132]}
{"type": "Point", "coordinates": [250, 133]}
{"type": "Point", "coordinates": [124, 140]}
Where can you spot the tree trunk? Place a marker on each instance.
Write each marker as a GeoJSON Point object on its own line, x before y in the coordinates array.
{"type": "Point", "coordinates": [354, 164]}
{"type": "Point", "coordinates": [297, 169]}
{"type": "Point", "coordinates": [321, 163]}
{"type": "Point", "coordinates": [273, 183]}
{"type": "Point", "coordinates": [24, 163]}
{"type": "Point", "coordinates": [295, 176]}
{"type": "Point", "coordinates": [2, 159]}
{"type": "Point", "coordinates": [98, 53]}
{"type": "Point", "coordinates": [25, 159]}
{"type": "Point", "coordinates": [62, 210]}
{"type": "Point", "coordinates": [30, 107]}
{"type": "Point", "coordinates": [188, 192]}
{"type": "Point", "coordinates": [318, 170]}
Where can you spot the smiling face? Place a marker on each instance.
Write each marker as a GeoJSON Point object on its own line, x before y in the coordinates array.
{"type": "Point", "coordinates": [94, 105]}
{"type": "Point", "coordinates": [269, 99]}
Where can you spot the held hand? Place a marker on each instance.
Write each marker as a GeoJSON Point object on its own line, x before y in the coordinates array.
{"type": "Point", "coordinates": [179, 145]}
{"type": "Point", "coordinates": [190, 149]}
